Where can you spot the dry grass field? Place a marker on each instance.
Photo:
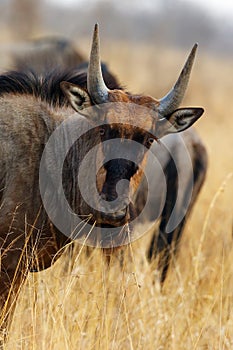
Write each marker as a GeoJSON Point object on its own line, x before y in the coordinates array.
{"type": "Point", "coordinates": [81, 303]}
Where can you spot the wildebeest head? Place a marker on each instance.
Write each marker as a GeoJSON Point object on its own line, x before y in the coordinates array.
{"type": "Point", "coordinates": [127, 117]}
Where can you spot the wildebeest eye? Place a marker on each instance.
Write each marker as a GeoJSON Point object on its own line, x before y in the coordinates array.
{"type": "Point", "coordinates": [150, 140]}
{"type": "Point", "coordinates": [102, 131]}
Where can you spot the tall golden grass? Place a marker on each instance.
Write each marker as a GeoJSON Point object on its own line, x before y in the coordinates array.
{"type": "Point", "coordinates": [81, 303]}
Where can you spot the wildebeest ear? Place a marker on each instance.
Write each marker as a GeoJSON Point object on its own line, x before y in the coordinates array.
{"type": "Point", "coordinates": [78, 97]}
{"type": "Point", "coordinates": [179, 120]}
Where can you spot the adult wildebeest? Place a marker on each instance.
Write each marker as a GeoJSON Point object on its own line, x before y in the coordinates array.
{"type": "Point", "coordinates": [47, 53]}
{"type": "Point", "coordinates": [32, 110]}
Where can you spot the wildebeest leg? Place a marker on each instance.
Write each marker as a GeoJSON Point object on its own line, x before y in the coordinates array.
{"type": "Point", "coordinates": [161, 241]}
{"type": "Point", "coordinates": [164, 244]}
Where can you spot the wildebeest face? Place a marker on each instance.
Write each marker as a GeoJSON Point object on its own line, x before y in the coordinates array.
{"type": "Point", "coordinates": [122, 125]}
{"type": "Point", "coordinates": [125, 120]}
{"type": "Point", "coordinates": [123, 134]}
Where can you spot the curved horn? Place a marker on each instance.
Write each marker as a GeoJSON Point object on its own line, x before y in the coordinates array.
{"type": "Point", "coordinates": [95, 82]}
{"type": "Point", "coordinates": [173, 99]}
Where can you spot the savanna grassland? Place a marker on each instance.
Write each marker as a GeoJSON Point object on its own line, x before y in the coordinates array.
{"type": "Point", "coordinates": [81, 303]}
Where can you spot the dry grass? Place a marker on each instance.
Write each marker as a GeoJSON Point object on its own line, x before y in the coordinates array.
{"type": "Point", "coordinates": [80, 303]}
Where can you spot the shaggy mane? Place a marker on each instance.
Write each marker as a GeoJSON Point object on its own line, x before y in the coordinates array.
{"type": "Point", "coordinates": [47, 86]}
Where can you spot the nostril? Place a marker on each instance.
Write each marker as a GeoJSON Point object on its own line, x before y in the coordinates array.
{"type": "Point", "coordinates": [118, 191]}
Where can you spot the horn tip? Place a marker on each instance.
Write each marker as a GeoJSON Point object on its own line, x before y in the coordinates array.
{"type": "Point", "coordinates": [194, 49]}
{"type": "Point", "coordinates": [96, 27]}
{"type": "Point", "coordinates": [95, 37]}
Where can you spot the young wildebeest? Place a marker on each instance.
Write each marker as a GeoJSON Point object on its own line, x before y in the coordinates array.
{"type": "Point", "coordinates": [32, 108]}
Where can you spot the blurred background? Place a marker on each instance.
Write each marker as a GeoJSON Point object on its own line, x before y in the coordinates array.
{"type": "Point", "coordinates": [176, 23]}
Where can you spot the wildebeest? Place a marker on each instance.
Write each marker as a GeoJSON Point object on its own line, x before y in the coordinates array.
{"type": "Point", "coordinates": [32, 109]}
{"type": "Point", "coordinates": [46, 53]}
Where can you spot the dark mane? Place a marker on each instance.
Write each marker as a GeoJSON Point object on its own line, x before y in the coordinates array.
{"type": "Point", "coordinates": [46, 86]}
